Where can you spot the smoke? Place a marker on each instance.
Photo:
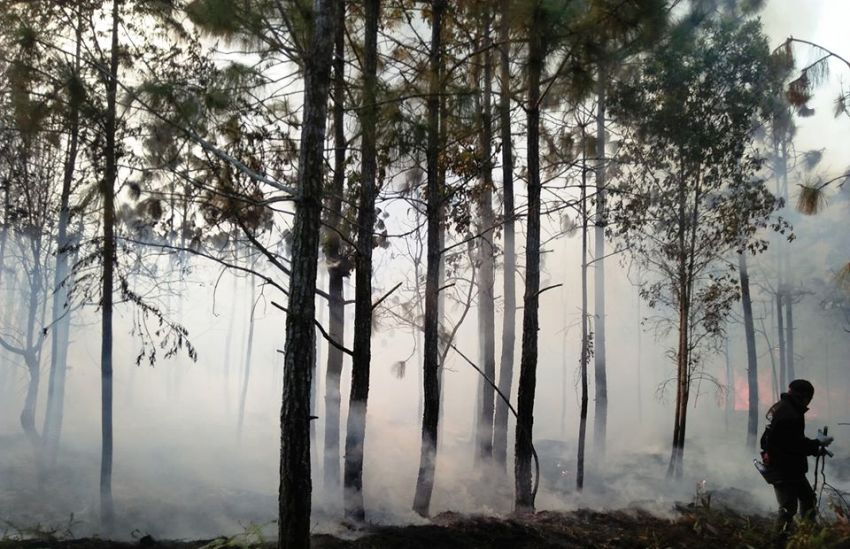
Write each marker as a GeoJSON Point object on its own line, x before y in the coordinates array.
{"type": "Point", "coordinates": [181, 471]}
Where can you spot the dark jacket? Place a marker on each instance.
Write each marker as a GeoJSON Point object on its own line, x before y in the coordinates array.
{"type": "Point", "coordinates": [785, 441]}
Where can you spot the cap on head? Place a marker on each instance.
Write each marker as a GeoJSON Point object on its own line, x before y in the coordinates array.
{"type": "Point", "coordinates": [802, 387]}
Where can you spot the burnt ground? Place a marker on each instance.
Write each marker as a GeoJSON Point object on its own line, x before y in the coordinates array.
{"type": "Point", "coordinates": [693, 527]}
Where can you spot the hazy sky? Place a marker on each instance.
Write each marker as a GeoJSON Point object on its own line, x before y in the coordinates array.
{"type": "Point", "coordinates": [823, 22]}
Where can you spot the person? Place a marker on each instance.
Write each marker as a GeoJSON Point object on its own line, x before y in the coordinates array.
{"type": "Point", "coordinates": [785, 451]}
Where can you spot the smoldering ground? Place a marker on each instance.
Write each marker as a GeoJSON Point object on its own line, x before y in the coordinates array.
{"type": "Point", "coordinates": [182, 471]}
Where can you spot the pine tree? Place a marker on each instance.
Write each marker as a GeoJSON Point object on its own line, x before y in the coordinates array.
{"type": "Point", "coordinates": [295, 478]}
{"type": "Point", "coordinates": [362, 357]}
{"type": "Point", "coordinates": [431, 411]}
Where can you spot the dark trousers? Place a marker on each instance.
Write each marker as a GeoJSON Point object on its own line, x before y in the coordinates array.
{"type": "Point", "coordinates": [788, 494]}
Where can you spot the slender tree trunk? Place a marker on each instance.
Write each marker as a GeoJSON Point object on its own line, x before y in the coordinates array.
{"type": "Point", "coordinates": [336, 268]}
{"type": "Point", "coordinates": [11, 312]}
{"type": "Point", "coordinates": [243, 397]}
{"type": "Point", "coordinates": [4, 233]}
{"type": "Point", "coordinates": [295, 475]}
{"type": "Point", "coordinates": [770, 353]}
{"type": "Point", "coordinates": [784, 380]}
{"type": "Point", "coordinates": [315, 378]}
{"type": "Point", "coordinates": [780, 152]}
{"type": "Point", "coordinates": [674, 470]}
{"type": "Point", "coordinates": [228, 355]}
{"type": "Point", "coordinates": [61, 285]}
{"type": "Point", "coordinates": [362, 352]}
{"type": "Point", "coordinates": [789, 334]}
{"type": "Point", "coordinates": [486, 279]}
{"type": "Point", "coordinates": [442, 329]}
{"type": "Point", "coordinates": [600, 417]}
{"type": "Point", "coordinates": [5, 383]}
{"type": "Point", "coordinates": [31, 400]}
{"type": "Point", "coordinates": [431, 385]}
{"type": "Point", "coordinates": [675, 466]}
{"type": "Point", "coordinates": [730, 384]}
{"type": "Point", "coordinates": [506, 368]}
{"type": "Point", "coordinates": [752, 361]}
{"type": "Point", "coordinates": [639, 362]}
{"type": "Point", "coordinates": [787, 277]}
{"type": "Point", "coordinates": [31, 359]}
{"type": "Point", "coordinates": [109, 253]}
{"type": "Point", "coordinates": [530, 322]}
{"type": "Point", "coordinates": [584, 358]}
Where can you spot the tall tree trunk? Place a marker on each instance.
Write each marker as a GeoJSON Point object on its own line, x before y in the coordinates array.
{"type": "Point", "coordinates": [228, 355]}
{"type": "Point", "coordinates": [584, 358]}
{"type": "Point", "coordinates": [674, 469]}
{"type": "Point", "coordinates": [639, 361]}
{"type": "Point", "coordinates": [530, 322]}
{"type": "Point", "coordinates": [787, 276]}
{"type": "Point", "coordinates": [11, 313]}
{"type": "Point", "coordinates": [243, 397]}
{"type": "Point", "coordinates": [431, 385]}
{"type": "Point", "coordinates": [752, 361]}
{"type": "Point", "coordinates": [4, 233]}
{"type": "Point", "coordinates": [61, 284]}
{"type": "Point", "coordinates": [486, 280]}
{"type": "Point", "coordinates": [31, 356]}
{"type": "Point", "coordinates": [337, 269]}
{"type": "Point", "coordinates": [730, 384]}
{"type": "Point", "coordinates": [295, 477]}
{"type": "Point", "coordinates": [784, 380]}
{"type": "Point", "coordinates": [780, 152]}
{"type": "Point", "coordinates": [442, 328]}
{"type": "Point", "coordinates": [675, 466]}
{"type": "Point", "coordinates": [506, 368]}
{"type": "Point", "coordinates": [109, 253]}
{"type": "Point", "coordinates": [31, 400]}
{"type": "Point", "coordinates": [362, 352]}
{"type": "Point", "coordinates": [789, 333]}
{"type": "Point", "coordinates": [315, 378]}
{"type": "Point", "coordinates": [600, 417]}
{"type": "Point", "coordinates": [5, 366]}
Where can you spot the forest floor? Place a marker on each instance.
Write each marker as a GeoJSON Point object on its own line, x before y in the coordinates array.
{"type": "Point", "coordinates": [693, 526]}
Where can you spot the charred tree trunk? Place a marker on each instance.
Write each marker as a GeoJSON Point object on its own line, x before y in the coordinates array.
{"type": "Point", "coordinates": [752, 361]}
{"type": "Point", "coordinates": [600, 417]}
{"type": "Point", "coordinates": [506, 368]}
{"type": "Point", "coordinates": [295, 476]}
{"type": "Point", "coordinates": [674, 468]}
{"type": "Point", "coordinates": [61, 310]}
{"type": "Point", "coordinates": [431, 385]}
{"type": "Point", "coordinates": [109, 254]}
{"type": "Point", "coordinates": [528, 363]}
{"type": "Point", "coordinates": [584, 358]}
{"type": "Point", "coordinates": [362, 352]}
{"type": "Point", "coordinates": [337, 267]}
{"type": "Point", "coordinates": [486, 280]}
